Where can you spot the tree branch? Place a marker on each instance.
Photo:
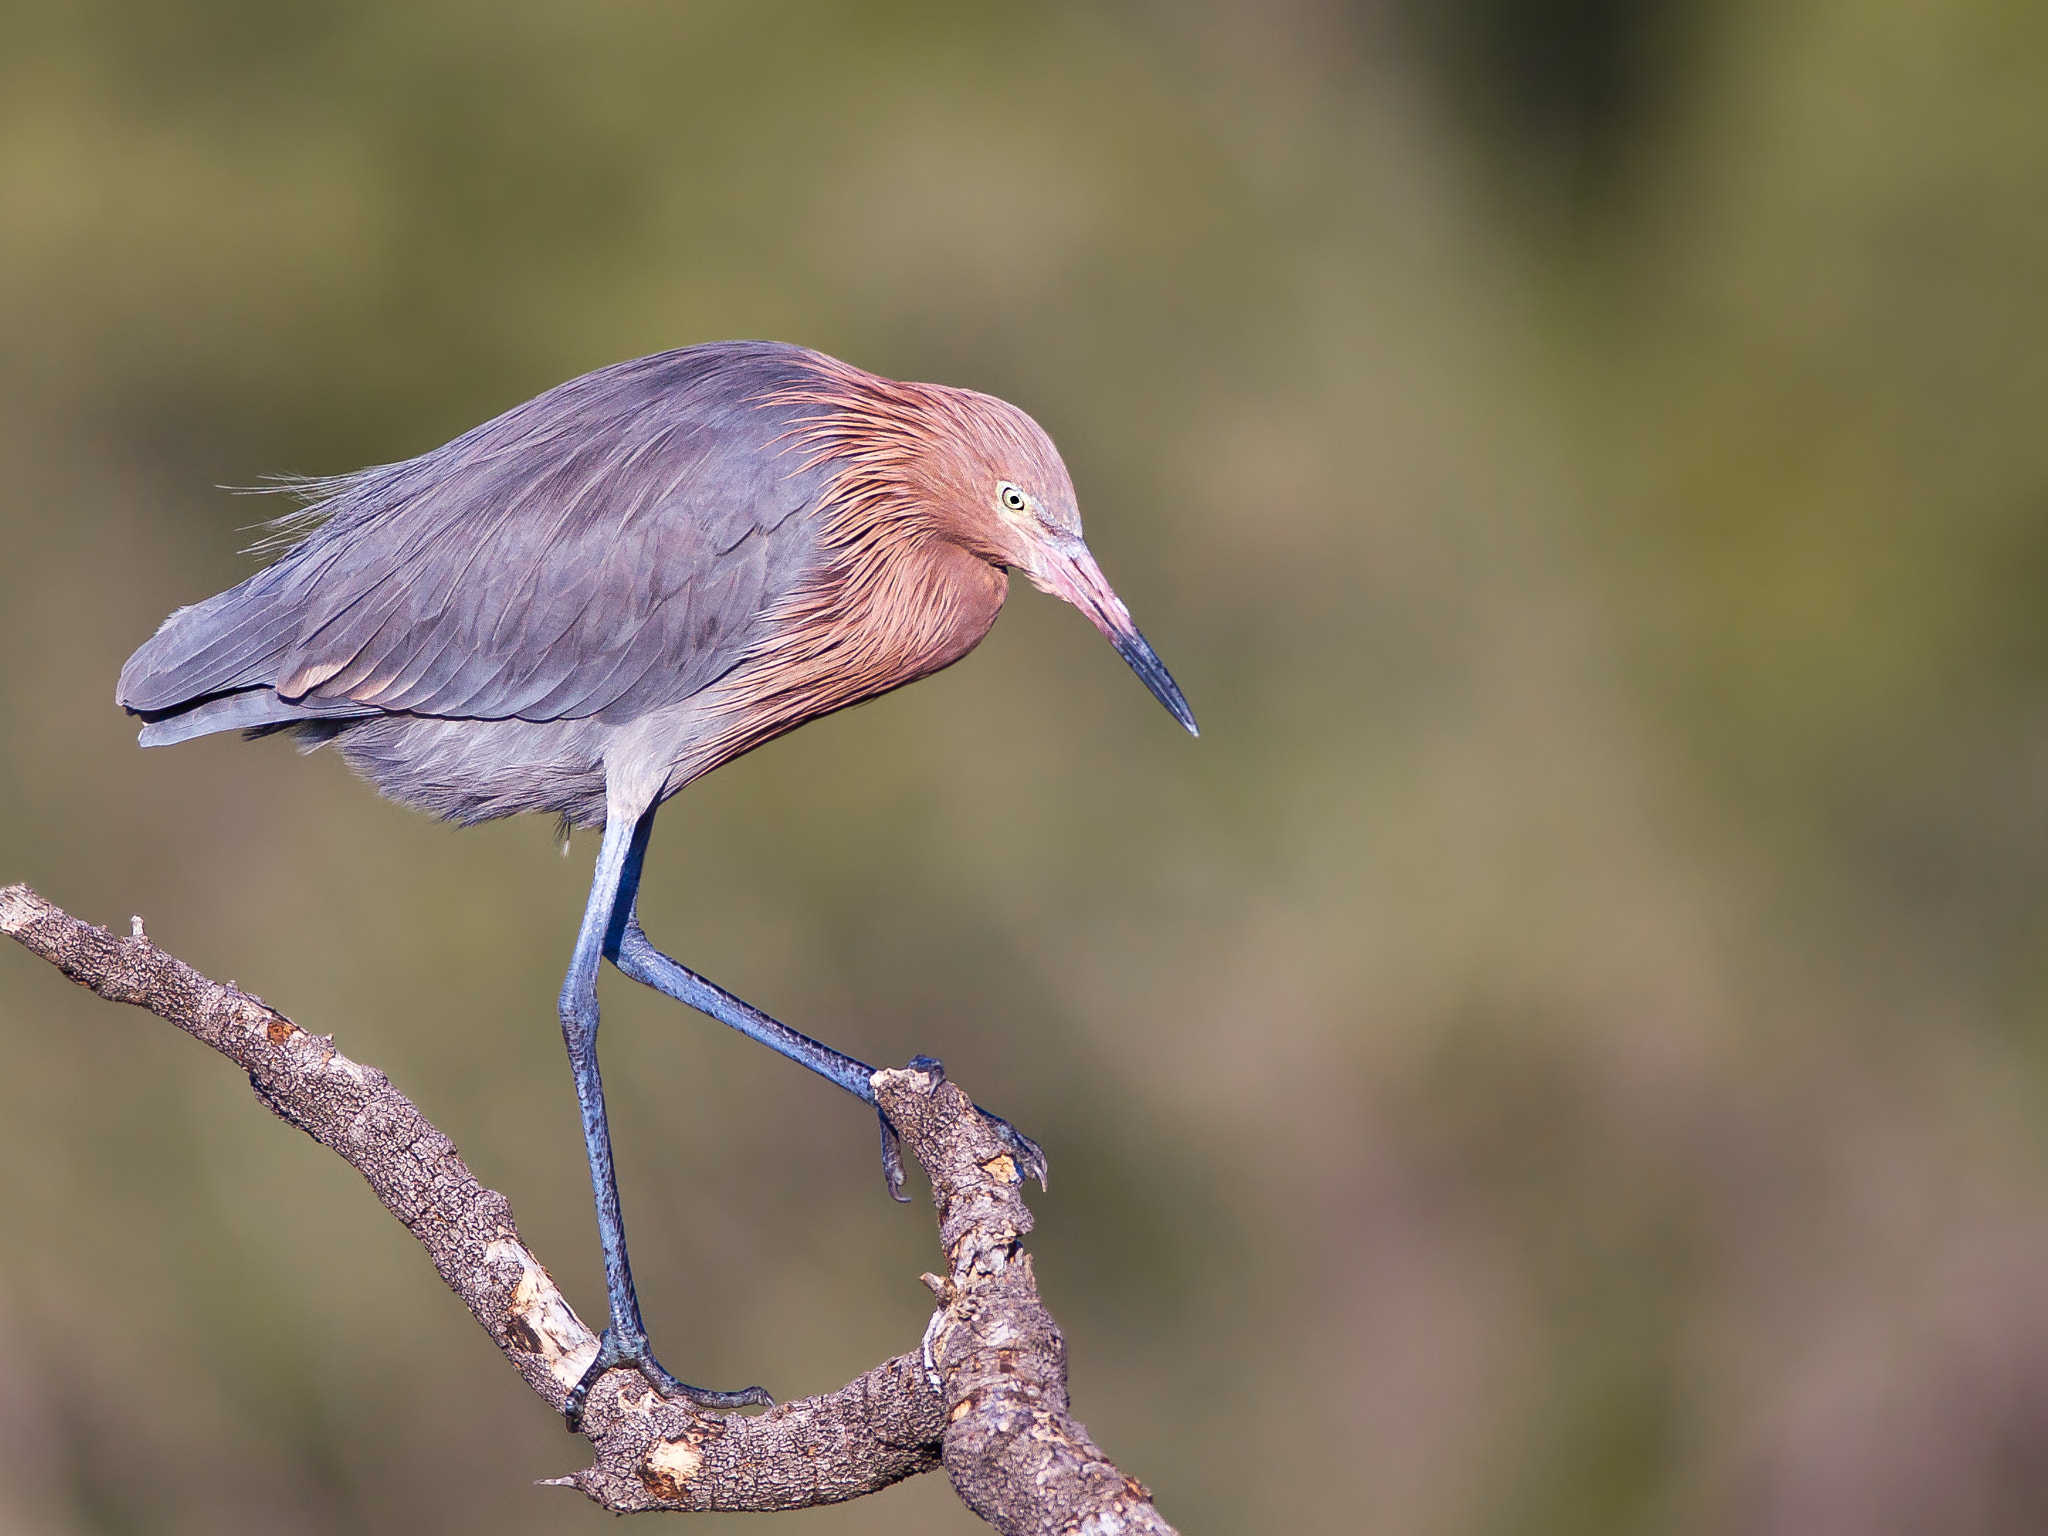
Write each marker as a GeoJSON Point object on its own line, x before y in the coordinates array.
{"type": "Point", "coordinates": [985, 1395]}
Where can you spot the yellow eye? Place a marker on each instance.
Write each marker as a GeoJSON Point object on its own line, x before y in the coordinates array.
{"type": "Point", "coordinates": [1012, 498]}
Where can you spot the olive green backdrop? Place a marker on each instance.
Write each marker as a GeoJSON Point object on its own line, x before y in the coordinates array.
{"type": "Point", "coordinates": [1565, 1053]}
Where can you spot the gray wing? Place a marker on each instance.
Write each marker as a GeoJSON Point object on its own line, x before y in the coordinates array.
{"type": "Point", "coordinates": [605, 549]}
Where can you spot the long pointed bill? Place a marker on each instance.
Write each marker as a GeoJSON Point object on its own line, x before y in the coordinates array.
{"type": "Point", "coordinates": [1073, 574]}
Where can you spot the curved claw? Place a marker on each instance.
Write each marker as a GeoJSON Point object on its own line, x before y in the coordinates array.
{"type": "Point", "coordinates": [892, 1159]}
{"type": "Point", "coordinates": [613, 1351]}
{"type": "Point", "coordinates": [1029, 1154]}
{"type": "Point", "coordinates": [892, 1144]}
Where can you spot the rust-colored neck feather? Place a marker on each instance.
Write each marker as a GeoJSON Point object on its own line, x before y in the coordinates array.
{"type": "Point", "coordinates": [915, 457]}
{"type": "Point", "coordinates": [913, 574]}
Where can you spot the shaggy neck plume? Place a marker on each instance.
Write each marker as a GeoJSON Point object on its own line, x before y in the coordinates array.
{"type": "Point", "coordinates": [913, 576]}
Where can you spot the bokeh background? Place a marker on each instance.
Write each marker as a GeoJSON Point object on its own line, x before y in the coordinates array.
{"type": "Point", "coordinates": [1565, 1053]}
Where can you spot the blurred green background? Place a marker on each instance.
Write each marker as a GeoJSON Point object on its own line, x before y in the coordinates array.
{"type": "Point", "coordinates": [1566, 1052]}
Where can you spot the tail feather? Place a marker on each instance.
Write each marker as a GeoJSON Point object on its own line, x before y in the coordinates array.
{"type": "Point", "coordinates": [254, 709]}
{"type": "Point", "coordinates": [229, 642]}
{"type": "Point", "coordinates": [212, 666]}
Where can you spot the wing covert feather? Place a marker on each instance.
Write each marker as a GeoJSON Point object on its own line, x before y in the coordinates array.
{"type": "Point", "coordinates": [608, 555]}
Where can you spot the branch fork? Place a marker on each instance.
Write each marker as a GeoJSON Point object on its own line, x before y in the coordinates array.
{"type": "Point", "coordinates": [984, 1395]}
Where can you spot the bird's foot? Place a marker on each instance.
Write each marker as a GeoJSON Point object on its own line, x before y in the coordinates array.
{"type": "Point", "coordinates": [1026, 1153]}
{"type": "Point", "coordinates": [615, 1350]}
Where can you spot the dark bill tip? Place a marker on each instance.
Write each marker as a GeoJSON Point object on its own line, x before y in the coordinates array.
{"type": "Point", "coordinates": [1152, 672]}
{"type": "Point", "coordinates": [1072, 573]}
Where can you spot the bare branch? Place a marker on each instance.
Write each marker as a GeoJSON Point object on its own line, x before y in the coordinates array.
{"type": "Point", "coordinates": [1015, 1456]}
{"type": "Point", "coordinates": [985, 1394]}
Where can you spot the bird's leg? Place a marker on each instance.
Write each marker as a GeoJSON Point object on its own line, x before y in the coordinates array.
{"type": "Point", "coordinates": [635, 955]}
{"type": "Point", "coordinates": [639, 959]}
{"type": "Point", "coordinates": [625, 1338]}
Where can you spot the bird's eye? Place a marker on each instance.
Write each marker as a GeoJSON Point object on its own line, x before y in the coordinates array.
{"type": "Point", "coordinates": [1011, 497]}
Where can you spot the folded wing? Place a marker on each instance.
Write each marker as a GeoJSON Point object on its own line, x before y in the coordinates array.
{"type": "Point", "coordinates": [605, 549]}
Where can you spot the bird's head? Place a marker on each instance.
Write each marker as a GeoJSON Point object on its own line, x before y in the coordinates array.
{"type": "Point", "coordinates": [1017, 503]}
{"type": "Point", "coordinates": [981, 473]}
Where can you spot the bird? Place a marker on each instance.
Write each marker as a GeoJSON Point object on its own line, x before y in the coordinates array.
{"type": "Point", "coordinates": [588, 602]}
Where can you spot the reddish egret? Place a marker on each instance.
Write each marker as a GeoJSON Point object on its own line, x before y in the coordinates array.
{"type": "Point", "coordinates": [609, 591]}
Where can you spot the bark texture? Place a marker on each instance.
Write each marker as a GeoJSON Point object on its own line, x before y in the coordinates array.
{"type": "Point", "coordinates": [1016, 1457]}
{"type": "Point", "coordinates": [984, 1395]}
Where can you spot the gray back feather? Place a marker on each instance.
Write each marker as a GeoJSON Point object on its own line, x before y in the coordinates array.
{"type": "Point", "coordinates": [605, 549]}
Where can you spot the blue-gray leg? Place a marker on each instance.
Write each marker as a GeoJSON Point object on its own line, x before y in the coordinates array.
{"type": "Point", "coordinates": [625, 1338]}
{"type": "Point", "coordinates": [639, 959]}
{"type": "Point", "coordinates": [635, 955]}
